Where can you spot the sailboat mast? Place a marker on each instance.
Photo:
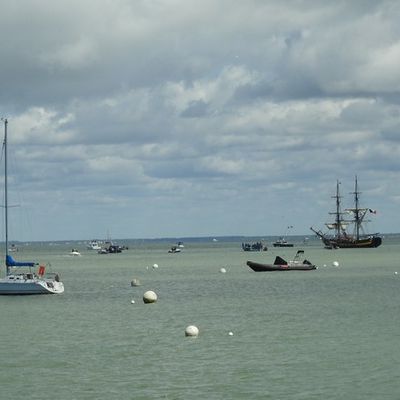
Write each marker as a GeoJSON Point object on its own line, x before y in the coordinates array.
{"type": "Point", "coordinates": [6, 192]}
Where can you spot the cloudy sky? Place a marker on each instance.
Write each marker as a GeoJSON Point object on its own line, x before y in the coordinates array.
{"type": "Point", "coordinates": [160, 118]}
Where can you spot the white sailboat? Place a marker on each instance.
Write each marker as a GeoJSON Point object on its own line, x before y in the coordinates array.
{"type": "Point", "coordinates": [29, 281]}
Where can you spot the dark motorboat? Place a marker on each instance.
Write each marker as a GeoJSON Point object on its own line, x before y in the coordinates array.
{"type": "Point", "coordinates": [258, 246]}
{"type": "Point", "coordinates": [281, 242]}
{"type": "Point", "coordinates": [111, 248]}
{"type": "Point", "coordinates": [282, 265]}
{"type": "Point", "coordinates": [342, 238]}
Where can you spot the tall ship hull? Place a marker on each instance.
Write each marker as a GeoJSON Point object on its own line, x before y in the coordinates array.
{"type": "Point", "coordinates": [342, 238]}
{"type": "Point", "coordinates": [349, 243]}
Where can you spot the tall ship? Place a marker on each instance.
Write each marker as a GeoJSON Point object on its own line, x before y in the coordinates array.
{"type": "Point", "coordinates": [349, 232]}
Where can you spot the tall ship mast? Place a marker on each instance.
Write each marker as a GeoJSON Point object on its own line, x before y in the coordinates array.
{"type": "Point", "coordinates": [342, 237]}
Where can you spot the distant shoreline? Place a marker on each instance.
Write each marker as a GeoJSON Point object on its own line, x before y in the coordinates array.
{"type": "Point", "coordinates": [191, 239]}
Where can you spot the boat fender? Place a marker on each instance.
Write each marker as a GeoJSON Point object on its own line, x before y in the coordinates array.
{"type": "Point", "coordinates": [42, 268]}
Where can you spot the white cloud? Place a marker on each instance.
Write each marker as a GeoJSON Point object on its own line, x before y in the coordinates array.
{"type": "Point", "coordinates": [41, 125]}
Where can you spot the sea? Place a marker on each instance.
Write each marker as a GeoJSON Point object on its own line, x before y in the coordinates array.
{"type": "Point", "coordinates": [331, 333]}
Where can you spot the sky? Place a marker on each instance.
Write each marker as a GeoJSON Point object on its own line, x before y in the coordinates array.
{"type": "Point", "coordinates": [179, 118]}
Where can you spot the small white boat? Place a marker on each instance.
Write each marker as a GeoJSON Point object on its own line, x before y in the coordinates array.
{"type": "Point", "coordinates": [75, 252]}
{"type": "Point", "coordinates": [31, 282]}
{"type": "Point", "coordinates": [13, 248]}
{"type": "Point", "coordinates": [174, 249]}
{"type": "Point", "coordinates": [94, 245]}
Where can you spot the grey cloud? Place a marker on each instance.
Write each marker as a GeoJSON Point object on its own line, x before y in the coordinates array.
{"type": "Point", "coordinates": [195, 109]}
{"type": "Point", "coordinates": [139, 104]}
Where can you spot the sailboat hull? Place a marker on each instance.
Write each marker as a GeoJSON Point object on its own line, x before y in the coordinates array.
{"type": "Point", "coordinates": [10, 286]}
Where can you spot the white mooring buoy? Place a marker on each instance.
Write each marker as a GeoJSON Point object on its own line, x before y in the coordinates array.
{"type": "Point", "coordinates": [191, 330]}
{"type": "Point", "coordinates": [222, 270]}
{"type": "Point", "coordinates": [150, 297]}
{"type": "Point", "coordinates": [335, 263]}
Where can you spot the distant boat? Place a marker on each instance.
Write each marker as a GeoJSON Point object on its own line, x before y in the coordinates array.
{"type": "Point", "coordinates": [30, 282]}
{"type": "Point", "coordinates": [341, 238]}
{"type": "Point", "coordinates": [111, 248]}
{"type": "Point", "coordinates": [13, 248]}
{"type": "Point", "coordinates": [282, 242]}
{"type": "Point", "coordinates": [174, 249]}
{"type": "Point", "coordinates": [75, 252]}
{"type": "Point", "coordinates": [180, 244]}
{"type": "Point", "coordinates": [94, 245]}
{"type": "Point", "coordinates": [257, 246]}
{"type": "Point", "coordinates": [282, 265]}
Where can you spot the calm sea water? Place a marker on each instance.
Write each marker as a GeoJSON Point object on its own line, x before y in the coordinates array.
{"type": "Point", "coordinates": [332, 333]}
